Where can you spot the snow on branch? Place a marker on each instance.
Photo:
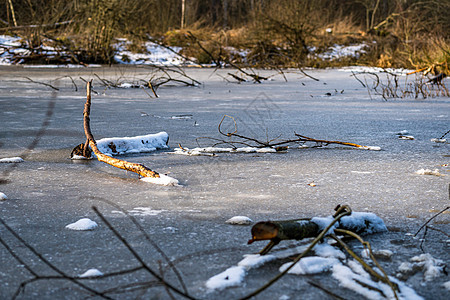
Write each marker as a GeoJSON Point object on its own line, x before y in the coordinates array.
{"type": "Point", "coordinates": [145, 172]}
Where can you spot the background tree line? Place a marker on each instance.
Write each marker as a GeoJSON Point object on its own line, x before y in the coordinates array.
{"type": "Point", "coordinates": [280, 32]}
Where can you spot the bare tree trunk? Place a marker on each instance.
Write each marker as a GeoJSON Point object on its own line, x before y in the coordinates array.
{"type": "Point", "coordinates": [12, 12]}
{"type": "Point", "coordinates": [225, 13]}
{"type": "Point", "coordinates": [183, 13]}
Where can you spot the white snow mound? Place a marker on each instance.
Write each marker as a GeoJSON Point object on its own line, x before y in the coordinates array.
{"type": "Point", "coordinates": [161, 180]}
{"type": "Point", "coordinates": [83, 224]}
{"type": "Point", "coordinates": [434, 172]}
{"type": "Point", "coordinates": [11, 160]}
{"type": "Point", "coordinates": [233, 276]}
{"type": "Point", "coordinates": [239, 220]}
{"type": "Point", "coordinates": [91, 273]}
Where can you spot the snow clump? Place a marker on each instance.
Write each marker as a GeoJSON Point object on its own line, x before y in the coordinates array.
{"type": "Point", "coordinates": [239, 220]}
{"type": "Point", "coordinates": [11, 160]}
{"type": "Point", "coordinates": [161, 180]}
{"type": "Point", "coordinates": [434, 172]}
{"type": "Point", "coordinates": [83, 224]}
{"type": "Point", "coordinates": [91, 273]}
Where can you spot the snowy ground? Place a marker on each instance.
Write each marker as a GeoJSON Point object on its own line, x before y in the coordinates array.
{"type": "Point", "coordinates": [48, 191]}
{"type": "Point", "coordinates": [151, 53]}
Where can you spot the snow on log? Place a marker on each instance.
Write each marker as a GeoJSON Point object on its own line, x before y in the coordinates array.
{"type": "Point", "coordinates": [276, 231]}
{"type": "Point", "coordinates": [131, 145]}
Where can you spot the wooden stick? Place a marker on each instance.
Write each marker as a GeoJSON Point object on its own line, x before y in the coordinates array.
{"type": "Point", "coordinates": [328, 142]}
{"type": "Point", "coordinates": [118, 163]}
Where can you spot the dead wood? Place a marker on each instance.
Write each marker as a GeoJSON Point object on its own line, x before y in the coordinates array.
{"type": "Point", "coordinates": [427, 227]}
{"type": "Point", "coordinates": [275, 143]}
{"type": "Point", "coordinates": [276, 231]}
{"type": "Point", "coordinates": [43, 83]}
{"type": "Point", "coordinates": [381, 277]}
{"type": "Point", "coordinates": [341, 211]}
{"type": "Point", "coordinates": [326, 142]}
{"type": "Point", "coordinates": [138, 257]}
{"type": "Point", "coordinates": [90, 141]}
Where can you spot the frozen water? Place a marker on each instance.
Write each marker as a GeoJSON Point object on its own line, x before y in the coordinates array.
{"type": "Point", "coordinates": [46, 191]}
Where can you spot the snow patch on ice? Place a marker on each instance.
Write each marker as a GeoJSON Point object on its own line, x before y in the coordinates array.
{"type": "Point", "coordinates": [371, 148]}
{"type": "Point", "coordinates": [137, 144]}
{"type": "Point", "coordinates": [91, 273]}
{"type": "Point", "coordinates": [251, 261]}
{"type": "Point", "coordinates": [310, 265]}
{"type": "Point", "coordinates": [431, 267]}
{"type": "Point", "coordinates": [209, 151]}
{"type": "Point", "coordinates": [439, 140]}
{"type": "Point", "coordinates": [360, 283]}
{"type": "Point", "coordinates": [83, 224]}
{"type": "Point", "coordinates": [446, 285]}
{"type": "Point", "coordinates": [11, 160]}
{"type": "Point", "coordinates": [161, 180]}
{"type": "Point", "coordinates": [144, 211]}
{"type": "Point", "coordinates": [239, 220]}
{"type": "Point", "coordinates": [434, 172]}
{"type": "Point", "coordinates": [79, 157]}
{"type": "Point", "coordinates": [233, 276]}
{"type": "Point", "coordinates": [326, 250]}
{"type": "Point", "coordinates": [3, 197]}
{"type": "Point", "coordinates": [383, 254]}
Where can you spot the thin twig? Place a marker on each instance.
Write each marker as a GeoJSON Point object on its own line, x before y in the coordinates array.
{"type": "Point", "coordinates": [50, 265]}
{"type": "Point", "coordinates": [147, 237]}
{"type": "Point", "coordinates": [43, 83]}
{"type": "Point", "coordinates": [137, 256]}
{"type": "Point", "coordinates": [328, 292]}
{"type": "Point", "coordinates": [354, 75]}
{"type": "Point", "coordinates": [367, 246]}
{"type": "Point", "coordinates": [426, 223]}
{"type": "Point", "coordinates": [307, 75]}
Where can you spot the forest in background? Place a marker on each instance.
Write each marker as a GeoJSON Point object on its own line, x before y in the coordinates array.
{"type": "Point", "coordinates": [282, 33]}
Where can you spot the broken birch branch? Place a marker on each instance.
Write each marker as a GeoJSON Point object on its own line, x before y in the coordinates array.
{"type": "Point", "coordinates": [118, 163]}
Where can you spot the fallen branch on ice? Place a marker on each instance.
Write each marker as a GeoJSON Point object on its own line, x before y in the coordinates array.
{"type": "Point", "coordinates": [148, 174]}
{"type": "Point", "coordinates": [251, 145]}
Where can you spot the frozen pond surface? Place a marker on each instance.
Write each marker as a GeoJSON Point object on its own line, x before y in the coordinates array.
{"type": "Point", "coordinates": [48, 191]}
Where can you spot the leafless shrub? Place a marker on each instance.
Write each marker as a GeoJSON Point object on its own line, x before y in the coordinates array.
{"type": "Point", "coordinates": [392, 87]}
